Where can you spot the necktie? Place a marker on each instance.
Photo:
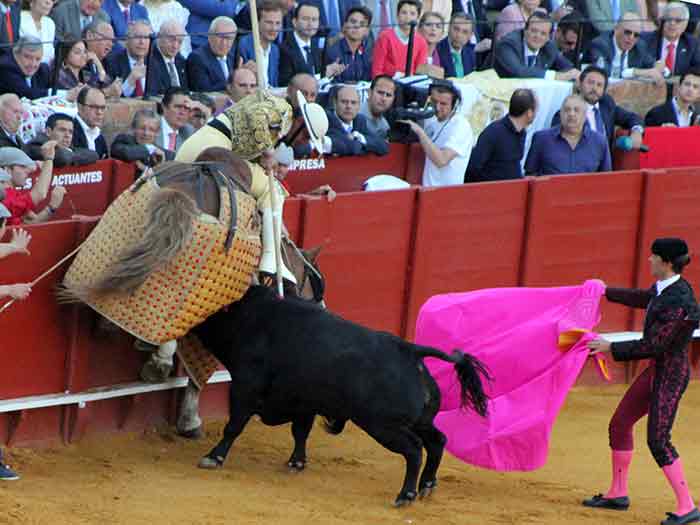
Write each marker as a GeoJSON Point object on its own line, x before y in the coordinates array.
{"type": "Point", "coordinates": [622, 64]}
{"type": "Point", "coordinates": [126, 15]}
{"type": "Point", "coordinates": [531, 60]}
{"type": "Point", "coordinates": [29, 81]}
{"type": "Point", "coordinates": [383, 14]}
{"type": "Point", "coordinates": [309, 58]}
{"type": "Point", "coordinates": [172, 72]}
{"type": "Point", "coordinates": [459, 66]}
{"type": "Point", "coordinates": [138, 88]}
{"type": "Point", "coordinates": [8, 26]}
{"type": "Point", "coordinates": [333, 16]}
{"type": "Point", "coordinates": [670, 56]}
{"type": "Point", "coordinates": [599, 124]}
{"type": "Point", "coordinates": [172, 141]}
{"type": "Point", "coordinates": [224, 67]}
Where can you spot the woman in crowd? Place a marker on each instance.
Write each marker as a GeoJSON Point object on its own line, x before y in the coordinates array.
{"type": "Point", "coordinates": [391, 47]}
{"type": "Point", "coordinates": [35, 21]}
{"type": "Point", "coordinates": [432, 27]}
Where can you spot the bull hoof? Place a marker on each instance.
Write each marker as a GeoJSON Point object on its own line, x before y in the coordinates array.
{"type": "Point", "coordinates": [210, 463]}
{"type": "Point", "coordinates": [427, 489]}
{"type": "Point", "coordinates": [153, 372]}
{"type": "Point", "coordinates": [195, 433]}
{"type": "Point", "coordinates": [296, 466]}
{"type": "Point", "coordinates": [404, 499]}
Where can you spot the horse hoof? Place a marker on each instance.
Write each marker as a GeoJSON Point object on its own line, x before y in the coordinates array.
{"type": "Point", "coordinates": [427, 489]}
{"type": "Point", "coordinates": [210, 463]}
{"type": "Point", "coordinates": [153, 372]}
{"type": "Point", "coordinates": [296, 466]}
{"type": "Point", "coordinates": [405, 499]}
{"type": "Point", "coordinates": [195, 433]}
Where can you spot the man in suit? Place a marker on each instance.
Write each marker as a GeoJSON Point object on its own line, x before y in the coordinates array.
{"type": "Point", "coordinates": [602, 114]}
{"type": "Point", "coordinates": [678, 111]}
{"type": "Point", "coordinates": [623, 54]}
{"type": "Point", "coordinates": [456, 51]}
{"type": "Point", "coordinates": [203, 13]}
{"type": "Point", "coordinates": [167, 67]}
{"type": "Point", "coordinates": [600, 16]}
{"type": "Point", "coordinates": [22, 71]}
{"type": "Point", "coordinates": [531, 54]}
{"type": "Point", "coordinates": [139, 145]}
{"type": "Point", "coordinates": [10, 121]}
{"type": "Point", "coordinates": [476, 10]}
{"type": "Point", "coordinates": [122, 13]}
{"type": "Point", "coordinates": [566, 37]}
{"type": "Point", "coordinates": [210, 66]}
{"type": "Point", "coordinates": [87, 126]}
{"type": "Point", "coordinates": [72, 16]}
{"type": "Point", "coordinates": [677, 50]}
{"type": "Point", "coordinates": [99, 39]}
{"type": "Point", "coordinates": [59, 128]}
{"type": "Point", "coordinates": [299, 53]}
{"type": "Point", "coordinates": [9, 25]}
{"type": "Point", "coordinates": [348, 133]}
{"type": "Point", "coordinates": [174, 126]}
{"type": "Point", "coordinates": [270, 15]}
{"type": "Point", "coordinates": [129, 63]}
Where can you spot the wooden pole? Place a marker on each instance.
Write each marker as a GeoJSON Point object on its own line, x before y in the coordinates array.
{"type": "Point", "coordinates": [276, 216]}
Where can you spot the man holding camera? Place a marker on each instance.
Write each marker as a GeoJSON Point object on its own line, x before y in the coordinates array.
{"type": "Point", "coordinates": [446, 138]}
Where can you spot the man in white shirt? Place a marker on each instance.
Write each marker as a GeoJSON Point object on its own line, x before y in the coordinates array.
{"type": "Point", "coordinates": [91, 115]}
{"type": "Point", "coordinates": [446, 138]}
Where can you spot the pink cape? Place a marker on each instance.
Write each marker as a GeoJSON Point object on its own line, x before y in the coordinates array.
{"type": "Point", "coordinates": [516, 333]}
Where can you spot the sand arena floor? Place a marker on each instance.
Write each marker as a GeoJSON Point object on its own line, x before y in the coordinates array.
{"type": "Point", "coordinates": [151, 478]}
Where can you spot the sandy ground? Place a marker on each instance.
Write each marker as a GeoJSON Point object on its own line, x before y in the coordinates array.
{"type": "Point", "coordinates": [151, 478]}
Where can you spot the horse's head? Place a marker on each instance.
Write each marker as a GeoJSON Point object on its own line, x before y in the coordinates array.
{"type": "Point", "coordinates": [302, 263]}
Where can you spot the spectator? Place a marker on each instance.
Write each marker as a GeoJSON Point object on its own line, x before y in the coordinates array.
{"type": "Point", "coordinates": [391, 48]}
{"type": "Point", "coordinates": [210, 65]}
{"type": "Point", "coordinates": [130, 63]}
{"type": "Point", "coordinates": [623, 55]}
{"type": "Point", "coordinates": [99, 38]}
{"type": "Point", "coordinates": [348, 59]}
{"type": "Point", "coordinates": [139, 145]}
{"type": "Point", "coordinates": [72, 16]}
{"type": "Point", "coordinates": [160, 11]}
{"type": "Point", "coordinates": [59, 128]}
{"type": "Point", "coordinates": [679, 110]}
{"type": "Point", "coordinates": [22, 71]}
{"type": "Point", "coordinates": [298, 136]}
{"type": "Point", "coordinates": [600, 15]}
{"type": "Point", "coordinates": [477, 11]}
{"type": "Point", "coordinates": [9, 32]}
{"type": "Point", "coordinates": [500, 147]}
{"type": "Point", "coordinates": [202, 109]}
{"type": "Point", "coordinates": [122, 12]}
{"type": "Point", "coordinates": [384, 12]}
{"type": "Point", "coordinates": [513, 17]}
{"type": "Point", "coordinates": [299, 52]}
{"type": "Point", "coordinates": [22, 202]}
{"type": "Point", "coordinates": [174, 127]}
{"type": "Point", "coordinates": [677, 50]}
{"type": "Point", "coordinates": [168, 67]}
{"type": "Point", "coordinates": [348, 133]}
{"type": "Point", "coordinates": [36, 22]}
{"type": "Point", "coordinates": [10, 121]}
{"type": "Point", "coordinates": [270, 14]}
{"type": "Point", "coordinates": [432, 27]}
{"type": "Point", "coordinates": [456, 51]}
{"type": "Point", "coordinates": [243, 82]}
{"type": "Point", "coordinates": [531, 54]}
{"type": "Point", "coordinates": [572, 147]}
{"type": "Point", "coordinates": [446, 138]}
{"type": "Point", "coordinates": [566, 37]}
{"type": "Point", "coordinates": [90, 118]}
{"type": "Point", "coordinates": [202, 15]}
{"type": "Point", "coordinates": [72, 62]}
{"type": "Point", "coordinates": [602, 113]}
{"type": "Point", "coordinates": [382, 92]}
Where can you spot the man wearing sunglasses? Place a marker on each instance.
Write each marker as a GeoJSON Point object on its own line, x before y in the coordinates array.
{"type": "Point", "coordinates": [623, 55]}
{"type": "Point", "coordinates": [677, 50]}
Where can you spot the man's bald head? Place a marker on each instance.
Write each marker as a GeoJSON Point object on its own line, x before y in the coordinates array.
{"type": "Point", "coordinates": [243, 83]}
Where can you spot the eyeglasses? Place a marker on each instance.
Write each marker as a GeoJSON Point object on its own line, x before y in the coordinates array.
{"type": "Point", "coordinates": [674, 20]}
{"type": "Point", "coordinates": [629, 32]}
{"type": "Point", "coordinates": [96, 108]}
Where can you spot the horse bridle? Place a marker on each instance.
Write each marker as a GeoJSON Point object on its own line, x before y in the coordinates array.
{"type": "Point", "coordinates": [311, 273]}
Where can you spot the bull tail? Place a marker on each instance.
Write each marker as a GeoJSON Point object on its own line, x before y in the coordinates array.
{"type": "Point", "coordinates": [333, 426]}
{"type": "Point", "coordinates": [169, 229]}
{"type": "Point", "coordinates": [470, 372]}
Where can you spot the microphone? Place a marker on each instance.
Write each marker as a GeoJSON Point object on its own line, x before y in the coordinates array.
{"type": "Point", "coordinates": [625, 144]}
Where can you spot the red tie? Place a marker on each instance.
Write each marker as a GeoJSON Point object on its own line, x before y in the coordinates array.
{"type": "Point", "coordinates": [138, 88]}
{"type": "Point", "coordinates": [173, 141]}
{"type": "Point", "coordinates": [8, 24]}
{"type": "Point", "coordinates": [670, 56]}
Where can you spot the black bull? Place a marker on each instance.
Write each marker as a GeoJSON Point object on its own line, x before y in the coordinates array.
{"type": "Point", "coordinates": [290, 360]}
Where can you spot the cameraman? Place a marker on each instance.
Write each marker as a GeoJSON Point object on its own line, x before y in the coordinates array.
{"type": "Point", "coordinates": [446, 138]}
{"type": "Point", "coordinates": [139, 145]}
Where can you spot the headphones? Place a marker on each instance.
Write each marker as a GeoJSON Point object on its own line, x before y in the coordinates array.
{"type": "Point", "coordinates": [447, 85]}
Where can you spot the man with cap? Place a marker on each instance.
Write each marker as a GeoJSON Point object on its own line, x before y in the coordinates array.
{"type": "Point", "coordinates": [22, 202]}
{"type": "Point", "coordinates": [671, 316]}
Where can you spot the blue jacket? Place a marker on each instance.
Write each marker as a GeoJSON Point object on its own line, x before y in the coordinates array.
{"type": "Point", "coordinates": [343, 145]}
{"type": "Point", "coordinates": [204, 72]}
{"type": "Point", "coordinates": [359, 65]}
{"type": "Point", "coordinates": [202, 12]}
{"type": "Point", "coordinates": [14, 81]}
{"type": "Point", "coordinates": [114, 10]}
{"type": "Point", "coordinates": [445, 52]}
{"type": "Point", "coordinates": [245, 51]}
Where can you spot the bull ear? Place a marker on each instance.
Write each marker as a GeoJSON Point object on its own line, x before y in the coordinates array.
{"type": "Point", "coordinates": [312, 253]}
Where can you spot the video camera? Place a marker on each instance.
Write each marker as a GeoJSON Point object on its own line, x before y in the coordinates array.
{"type": "Point", "coordinates": [401, 132]}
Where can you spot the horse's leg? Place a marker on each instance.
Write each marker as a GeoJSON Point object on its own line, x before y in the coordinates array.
{"type": "Point", "coordinates": [301, 428]}
{"type": "Point", "coordinates": [189, 424]}
{"type": "Point", "coordinates": [160, 363]}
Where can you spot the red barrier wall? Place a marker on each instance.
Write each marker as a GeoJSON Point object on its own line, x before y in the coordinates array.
{"type": "Point", "coordinates": [366, 239]}
{"type": "Point", "coordinates": [582, 227]}
{"type": "Point", "coordinates": [467, 237]}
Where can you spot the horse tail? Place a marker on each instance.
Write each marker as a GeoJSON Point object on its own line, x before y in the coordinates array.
{"type": "Point", "coordinates": [334, 426]}
{"type": "Point", "coordinates": [169, 229]}
{"type": "Point", "coordinates": [470, 372]}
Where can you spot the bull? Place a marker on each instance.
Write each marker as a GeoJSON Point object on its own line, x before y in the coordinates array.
{"type": "Point", "coordinates": [291, 360]}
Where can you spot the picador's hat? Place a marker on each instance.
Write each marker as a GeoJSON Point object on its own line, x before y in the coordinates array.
{"type": "Point", "coordinates": [669, 248]}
